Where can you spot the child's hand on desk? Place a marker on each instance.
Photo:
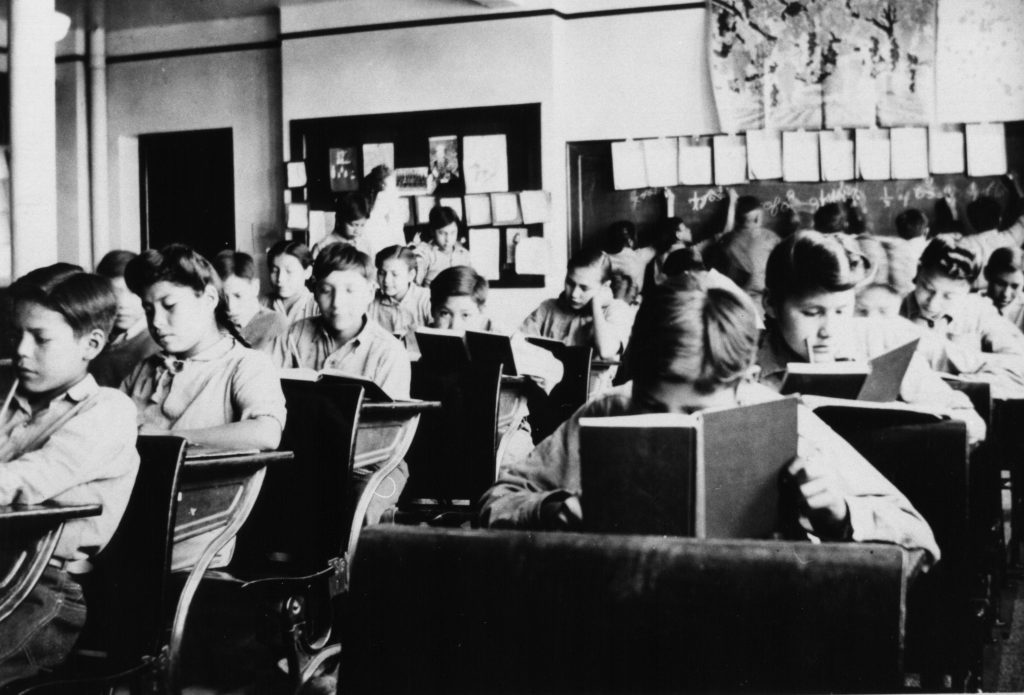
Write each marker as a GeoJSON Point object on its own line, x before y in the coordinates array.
{"type": "Point", "coordinates": [559, 513]}
{"type": "Point", "coordinates": [821, 498]}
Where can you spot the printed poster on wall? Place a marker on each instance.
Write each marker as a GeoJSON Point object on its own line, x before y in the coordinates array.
{"type": "Point", "coordinates": [343, 174]}
{"type": "Point", "coordinates": [444, 160]}
{"type": "Point", "coordinates": [485, 162]}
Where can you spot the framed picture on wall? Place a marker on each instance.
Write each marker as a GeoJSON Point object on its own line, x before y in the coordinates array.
{"type": "Point", "coordinates": [343, 174]}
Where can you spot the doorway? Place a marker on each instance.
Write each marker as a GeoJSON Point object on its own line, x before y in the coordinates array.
{"type": "Point", "coordinates": [187, 190]}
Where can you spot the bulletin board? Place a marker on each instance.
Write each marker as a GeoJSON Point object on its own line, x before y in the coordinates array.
{"type": "Point", "coordinates": [594, 203]}
{"type": "Point", "coordinates": [313, 139]}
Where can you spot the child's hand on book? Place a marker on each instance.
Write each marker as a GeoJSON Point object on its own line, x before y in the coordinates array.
{"type": "Point", "coordinates": [822, 499]}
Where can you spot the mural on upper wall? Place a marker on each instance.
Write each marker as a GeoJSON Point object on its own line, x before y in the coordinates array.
{"type": "Point", "coordinates": [822, 64]}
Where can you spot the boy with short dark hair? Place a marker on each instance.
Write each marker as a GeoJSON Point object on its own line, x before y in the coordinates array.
{"type": "Point", "coordinates": [400, 305]}
{"type": "Point", "coordinates": [443, 250]}
{"type": "Point", "coordinates": [63, 439]}
{"type": "Point", "coordinates": [129, 342]}
{"type": "Point", "coordinates": [343, 337]}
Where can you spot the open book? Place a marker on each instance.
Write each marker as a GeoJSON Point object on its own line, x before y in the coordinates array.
{"type": "Point", "coordinates": [371, 390]}
{"type": "Point", "coordinates": [442, 347]}
{"type": "Point", "coordinates": [714, 474]}
{"type": "Point", "coordinates": [878, 380]}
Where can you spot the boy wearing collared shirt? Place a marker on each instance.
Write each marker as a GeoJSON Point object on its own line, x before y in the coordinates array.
{"type": "Point", "coordinates": [400, 305]}
{"type": "Point", "coordinates": [63, 439]}
{"type": "Point", "coordinates": [443, 250]}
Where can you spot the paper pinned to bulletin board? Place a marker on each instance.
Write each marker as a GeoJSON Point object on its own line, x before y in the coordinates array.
{"type": "Point", "coordinates": [909, 148]}
{"type": "Point", "coordinates": [628, 165]}
{"type": "Point", "coordinates": [661, 158]}
{"type": "Point", "coordinates": [485, 163]}
{"type": "Point", "coordinates": [532, 256]}
{"type": "Point", "coordinates": [873, 154]}
{"type": "Point", "coordinates": [695, 161]}
{"type": "Point", "coordinates": [946, 149]}
{"type": "Point", "coordinates": [800, 156]}
{"type": "Point", "coordinates": [986, 149]}
{"type": "Point", "coordinates": [764, 154]}
{"type": "Point", "coordinates": [505, 209]}
{"type": "Point", "coordinates": [377, 154]}
{"type": "Point", "coordinates": [730, 154]}
{"type": "Point", "coordinates": [298, 216]}
{"type": "Point", "coordinates": [485, 251]}
{"type": "Point", "coordinates": [535, 206]}
{"type": "Point", "coordinates": [837, 162]}
{"type": "Point", "coordinates": [478, 210]}
{"type": "Point", "coordinates": [296, 172]}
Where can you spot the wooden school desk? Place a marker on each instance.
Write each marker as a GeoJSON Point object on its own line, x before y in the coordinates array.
{"type": "Point", "coordinates": [28, 537]}
{"type": "Point", "coordinates": [218, 490]}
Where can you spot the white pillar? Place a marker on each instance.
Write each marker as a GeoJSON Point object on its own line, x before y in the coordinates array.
{"type": "Point", "coordinates": [33, 134]}
{"type": "Point", "coordinates": [98, 170]}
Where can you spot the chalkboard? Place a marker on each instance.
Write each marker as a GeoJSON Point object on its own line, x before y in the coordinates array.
{"type": "Point", "coordinates": [594, 204]}
{"type": "Point", "coordinates": [311, 140]}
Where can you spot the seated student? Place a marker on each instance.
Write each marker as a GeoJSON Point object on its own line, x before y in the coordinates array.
{"type": "Point", "coordinates": [811, 282]}
{"type": "Point", "coordinates": [443, 249]}
{"type": "Point", "coordinates": [696, 350]}
{"type": "Point", "coordinates": [240, 286]}
{"type": "Point", "coordinates": [204, 385]}
{"type": "Point", "coordinates": [66, 440]}
{"type": "Point", "coordinates": [350, 218]}
{"type": "Point", "coordinates": [343, 337]}
{"type": "Point", "coordinates": [130, 341]}
{"type": "Point", "coordinates": [290, 269]}
{"type": "Point", "coordinates": [983, 217]}
{"type": "Point", "coordinates": [878, 300]}
{"type": "Point", "coordinates": [942, 303]}
{"type": "Point", "coordinates": [458, 302]}
{"type": "Point", "coordinates": [585, 313]}
{"type": "Point", "coordinates": [1004, 273]}
{"type": "Point", "coordinates": [400, 305]}
{"type": "Point", "coordinates": [743, 252]}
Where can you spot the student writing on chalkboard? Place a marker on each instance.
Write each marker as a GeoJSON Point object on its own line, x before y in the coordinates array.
{"type": "Point", "coordinates": [626, 259]}
{"type": "Point", "coordinates": [810, 286]}
{"type": "Point", "coordinates": [291, 265]}
{"type": "Point", "coordinates": [695, 351]}
{"type": "Point", "coordinates": [742, 253]}
{"type": "Point", "coordinates": [585, 313]}
{"type": "Point", "coordinates": [984, 215]}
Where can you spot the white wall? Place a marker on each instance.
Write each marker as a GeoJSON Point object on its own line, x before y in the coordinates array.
{"type": "Point", "coordinates": [238, 90]}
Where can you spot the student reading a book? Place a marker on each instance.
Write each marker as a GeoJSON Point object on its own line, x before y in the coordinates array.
{"type": "Point", "coordinates": [585, 313]}
{"type": "Point", "coordinates": [443, 249]}
{"type": "Point", "coordinates": [400, 305]}
{"type": "Point", "coordinates": [811, 283]}
{"type": "Point", "coordinates": [343, 337]}
{"type": "Point", "coordinates": [1004, 273]}
{"type": "Point", "coordinates": [384, 225]}
{"type": "Point", "coordinates": [130, 341]}
{"type": "Point", "coordinates": [942, 303]}
{"type": "Point", "coordinates": [350, 218]}
{"type": "Point", "coordinates": [204, 385]}
{"type": "Point", "coordinates": [696, 350]}
{"type": "Point", "coordinates": [291, 265]}
{"type": "Point", "coordinates": [240, 287]}
{"type": "Point", "coordinates": [63, 439]}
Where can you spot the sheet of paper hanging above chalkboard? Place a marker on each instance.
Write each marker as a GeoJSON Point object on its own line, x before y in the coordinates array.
{"type": "Point", "coordinates": [594, 203]}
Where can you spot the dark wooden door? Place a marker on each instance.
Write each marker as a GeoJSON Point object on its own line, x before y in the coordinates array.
{"type": "Point", "coordinates": [187, 190]}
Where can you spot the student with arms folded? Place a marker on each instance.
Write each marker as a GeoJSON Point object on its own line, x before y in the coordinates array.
{"type": "Point", "coordinates": [63, 439]}
{"type": "Point", "coordinates": [695, 350]}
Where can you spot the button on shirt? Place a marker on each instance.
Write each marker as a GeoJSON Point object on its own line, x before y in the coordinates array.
{"type": "Point", "coordinates": [400, 316]}
{"type": "Point", "coordinates": [878, 511]}
{"type": "Point", "coordinates": [373, 354]}
{"type": "Point", "coordinates": [88, 459]}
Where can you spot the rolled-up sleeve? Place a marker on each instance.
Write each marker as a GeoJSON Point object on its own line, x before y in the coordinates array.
{"type": "Point", "coordinates": [256, 389]}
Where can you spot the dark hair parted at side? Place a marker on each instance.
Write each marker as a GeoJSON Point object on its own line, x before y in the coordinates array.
{"type": "Point", "coordinates": [705, 338]}
{"type": "Point", "coordinates": [295, 249]}
{"type": "Point", "coordinates": [113, 263]}
{"type": "Point", "coordinates": [911, 223]}
{"type": "Point", "coordinates": [830, 218]}
{"type": "Point", "coordinates": [441, 216]}
{"type": "Point", "coordinates": [592, 258]}
{"type": "Point", "coordinates": [342, 257]}
{"type": "Point", "coordinates": [237, 263]}
{"type": "Point", "coordinates": [809, 262]}
{"type": "Point", "coordinates": [85, 300]}
{"type": "Point", "coordinates": [1008, 259]}
{"type": "Point", "coordinates": [458, 281]}
{"type": "Point", "coordinates": [402, 253]}
{"type": "Point", "coordinates": [946, 257]}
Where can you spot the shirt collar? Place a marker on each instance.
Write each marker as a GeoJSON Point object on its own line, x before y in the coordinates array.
{"type": "Point", "coordinates": [76, 394]}
{"type": "Point", "coordinates": [215, 351]}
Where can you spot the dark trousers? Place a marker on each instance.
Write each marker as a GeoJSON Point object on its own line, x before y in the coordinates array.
{"type": "Point", "coordinates": [41, 632]}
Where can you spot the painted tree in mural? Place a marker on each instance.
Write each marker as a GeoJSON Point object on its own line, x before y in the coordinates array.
{"type": "Point", "coordinates": [822, 63]}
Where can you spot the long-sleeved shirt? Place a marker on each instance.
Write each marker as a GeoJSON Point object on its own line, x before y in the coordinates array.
{"type": "Point", "coordinates": [977, 327]}
{"type": "Point", "coordinates": [868, 338]}
{"type": "Point", "coordinates": [373, 354]}
{"type": "Point", "coordinates": [556, 320]}
{"type": "Point", "coordinates": [982, 244]}
{"type": "Point", "coordinates": [878, 511]}
{"type": "Point", "coordinates": [78, 449]}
